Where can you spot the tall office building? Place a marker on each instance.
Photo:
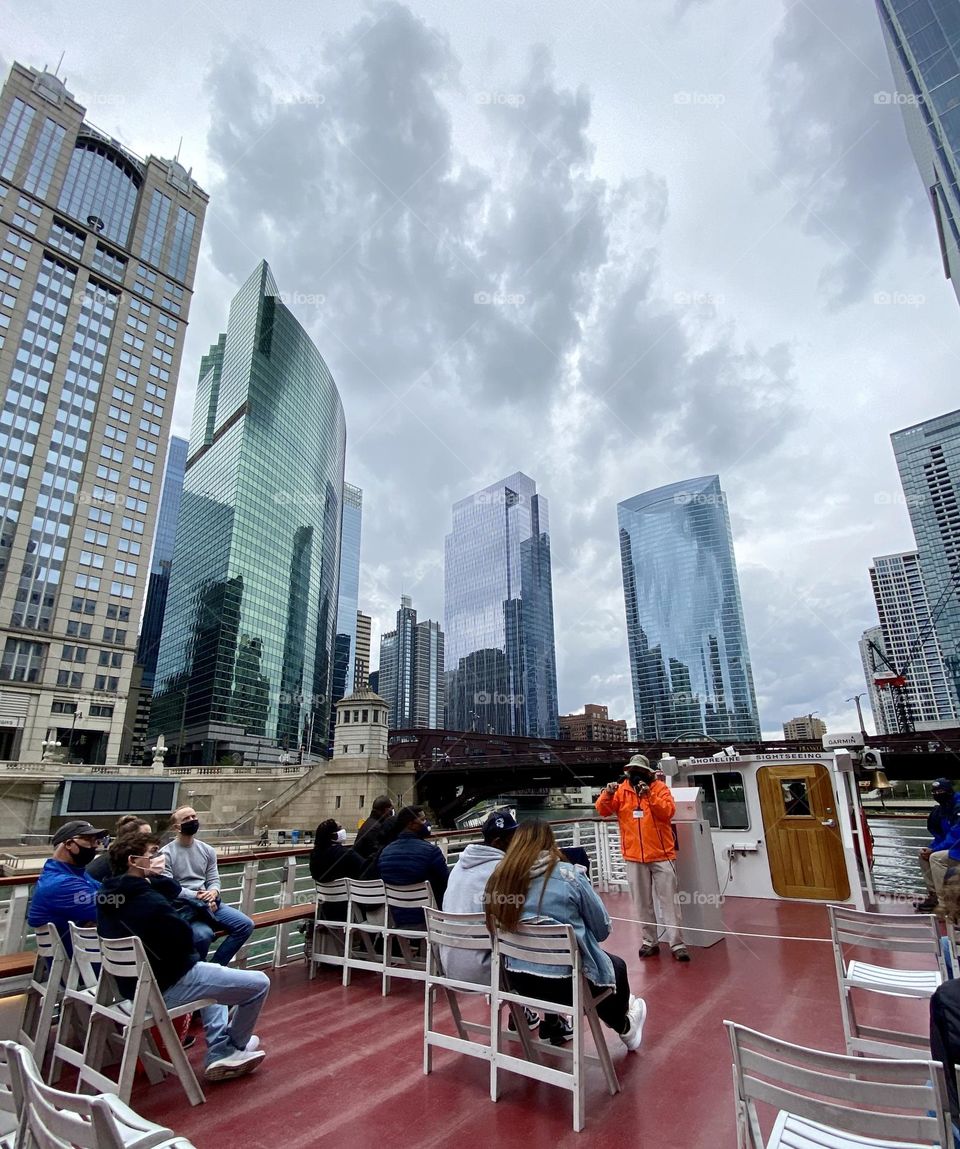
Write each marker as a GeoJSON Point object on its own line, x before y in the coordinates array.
{"type": "Point", "coordinates": [361, 672]}
{"type": "Point", "coordinates": [345, 647]}
{"type": "Point", "coordinates": [411, 677]}
{"type": "Point", "coordinates": [246, 655]}
{"type": "Point", "coordinates": [923, 43]}
{"type": "Point", "coordinates": [806, 727]}
{"type": "Point", "coordinates": [97, 260]}
{"type": "Point", "coordinates": [928, 458]}
{"type": "Point", "coordinates": [498, 613]}
{"type": "Point", "coordinates": [881, 701]}
{"type": "Point", "coordinates": [904, 612]}
{"type": "Point", "coordinates": [593, 725]}
{"type": "Point", "coordinates": [685, 631]}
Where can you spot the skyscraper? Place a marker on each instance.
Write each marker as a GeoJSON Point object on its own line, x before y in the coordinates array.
{"type": "Point", "coordinates": [804, 727]}
{"type": "Point", "coordinates": [498, 613]}
{"type": "Point", "coordinates": [411, 677]}
{"type": "Point", "coordinates": [685, 631]}
{"type": "Point", "coordinates": [246, 654]}
{"type": "Point", "coordinates": [905, 625]}
{"type": "Point", "coordinates": [345, 649]}
{"type": "Point", "coordinates": [928, 458]}
{"type": "Point", "coordinates": [923, 43]}
{"type": "Point", "coordinates": [361, 673]}
{"type": "Point", "coordinates": [96, 274]}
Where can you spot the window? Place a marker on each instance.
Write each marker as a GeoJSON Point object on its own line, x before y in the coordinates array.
{"type": "Point", "coordinates": [101, 711]}
{"type": "Point", "coordinates": [71, 678]}
{"type": "Point", "coordinates": [44, 158]}
{"type": "Point", "coordinates": [22, 661]}
{"type": "Point", "coordinates": [58, 706]}
{"type": "Point", "coordinates": [366, 714]}
{"type": "Point", "coordinates": [724, 799]}
{"type": "Point", "coordinates": [120, 613]}
{"type": "Point", "coordinates": [337, 805]}
{"type": "Point", "coordinates": [796, 798]}
{"type": "Point", "coordinates": [105, 682]}
{"type": "Point", "coordinates": [13, 136]}
{"type": "Point", "coordinates": [101, 188]}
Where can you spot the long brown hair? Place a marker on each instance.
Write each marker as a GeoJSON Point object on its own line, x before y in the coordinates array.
{"type": "Point", "coordinates": [506, 891]}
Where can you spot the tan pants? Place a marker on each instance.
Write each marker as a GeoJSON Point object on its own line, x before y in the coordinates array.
{"type": "Point", "coordinates": [646, 879]}
{"type": "Point", "coordinates": [924, 860]}
{"type": "Point", "coordinates": [938, 863]}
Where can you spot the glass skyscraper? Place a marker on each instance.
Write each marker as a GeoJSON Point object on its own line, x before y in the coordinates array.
{"type": "Point", "coordinates": [148, 646]}
{"type": "Point", "coordinates": [345, 647]}
{"type": "Point", "coordinates": [498, 613]}
{"type": "Point", "coordinates": [685, 631]}
{"type": "Point", "coordinates": [923, 42]}
{"type": "Point", "coordinates": [928, 458]}
{"type": "Point", "coordinates": [411, 678]}
{"type": "Point", "coordinates": [246, 654]}
{"type": "Point", "coordinates": [97, 260]}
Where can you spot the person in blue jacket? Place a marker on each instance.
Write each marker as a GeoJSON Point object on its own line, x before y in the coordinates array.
{"type": "Point", "coordinates": [409, 859]}
{"type": "Point", "coordinates": [943, 825]}
{"type": "Point", "coordinates": [65, 892]}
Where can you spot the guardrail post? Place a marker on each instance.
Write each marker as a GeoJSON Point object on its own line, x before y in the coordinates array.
{"type": "Point", "coordinates": [248, 887]}
{"type": "Point", "coordinates": [287, 898]}
{"type": "Point", "coordinates": [14, 937]}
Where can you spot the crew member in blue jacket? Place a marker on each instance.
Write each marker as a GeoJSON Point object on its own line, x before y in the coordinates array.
{"type": "Point", "coordinates": [409, 859]}
{"type": "Point", "coordinates": [943, 825]}
{"type": "Point", "coordinates": [65, 892]}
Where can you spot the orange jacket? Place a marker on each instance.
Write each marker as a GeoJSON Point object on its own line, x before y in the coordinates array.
{"type": "Point", "coordinates": [649, 837]}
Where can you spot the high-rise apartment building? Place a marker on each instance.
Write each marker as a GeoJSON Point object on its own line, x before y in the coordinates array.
{"type": "Point", "coordinates": [685, 631]}
{"type": "Point", "coordinates": [411, 678]}
{"type": "Point", "coordinates": [923, 43]}
{"type": "Point", "coordinates": [498, 613]}
{"type": "Point", "coordinates": [805, 728]}
{"type": "Point", "coordinates": [345, 648]}
{"type": "Point", "coordinates": [246, 655]}
{"type": "Point", "coordinates": [872, 651]}
{"type": "Point", "coordinates": [593, 725]}
{"type": "Point", "coordinates": [909, 637]}
{"type": "Point", "coordinates": [361, 673]}
{"type": "Point", "coordinates": [928, 458]}
{"type": "Point", "coordinates": [98, 251]}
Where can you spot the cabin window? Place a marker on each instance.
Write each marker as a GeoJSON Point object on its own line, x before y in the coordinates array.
{"type": "Point", "coordinates": [724, 799]}
{"type": "Point", "coordinates": [796, 798]}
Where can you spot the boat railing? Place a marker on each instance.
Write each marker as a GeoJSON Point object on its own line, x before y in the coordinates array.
{"type": "Point", "coordinates": [897, 842]}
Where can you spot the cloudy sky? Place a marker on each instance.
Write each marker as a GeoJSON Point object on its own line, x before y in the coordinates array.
{"type": "Point", "coordinates": [610, 244]}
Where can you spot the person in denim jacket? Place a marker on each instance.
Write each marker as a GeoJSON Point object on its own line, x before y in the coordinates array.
{"type": "Point", "coordinates": [534, 884]}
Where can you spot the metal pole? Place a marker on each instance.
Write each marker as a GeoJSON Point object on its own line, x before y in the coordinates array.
{"type": "Point", "coordinates": [856, 699]}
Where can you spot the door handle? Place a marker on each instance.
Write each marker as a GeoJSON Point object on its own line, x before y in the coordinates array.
{"type": "Point", "coordinates": [827, 822]}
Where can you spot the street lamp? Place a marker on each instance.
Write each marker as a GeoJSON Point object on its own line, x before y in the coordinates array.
{"type": "Point", "coordinates": [73, 725]}
{"type": "Point", "coordinates": [856, 699]}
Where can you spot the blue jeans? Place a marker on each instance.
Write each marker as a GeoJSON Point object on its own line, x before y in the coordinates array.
{"type": "Point", "coordinates": [238, 926]}
{"type": "Point", "coordinates": [246, 989]}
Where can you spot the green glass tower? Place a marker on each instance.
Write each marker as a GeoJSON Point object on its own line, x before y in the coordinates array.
{"type": "Point", "coordinates": [246, 656]}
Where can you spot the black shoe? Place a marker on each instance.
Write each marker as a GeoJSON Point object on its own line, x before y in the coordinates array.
{"type": "Point", "coordinates": [927, 906]}
{"type": "Point", "coordinates": [530, 1016]}
{"type": "Point", "coordinates": [680, 953]}
{"type": "Point", "coordinates": [648, 951]}
{"type": "Point", "coordinates": [556, 1030]}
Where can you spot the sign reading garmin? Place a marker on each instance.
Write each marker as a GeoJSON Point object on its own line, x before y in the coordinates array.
{"type": "Point", "coordinates": [839, 741]}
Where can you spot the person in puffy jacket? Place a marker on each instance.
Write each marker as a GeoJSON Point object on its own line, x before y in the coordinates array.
{"type": "Point", "coordinates": [942, 824]}
{"type": "Point", "coordinates": [408, 859]}
{"type": "Point", "coordinates": [644, 808]}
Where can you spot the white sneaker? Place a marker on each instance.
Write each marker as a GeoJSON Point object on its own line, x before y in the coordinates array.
{"type": "Point", "coordinates": [236, 1065]}
{"type": "Point", "coordinates": [636, 1016]}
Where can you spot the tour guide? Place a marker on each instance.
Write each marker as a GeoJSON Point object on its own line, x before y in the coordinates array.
{"type": "Point", "coordinates": [645, 807]}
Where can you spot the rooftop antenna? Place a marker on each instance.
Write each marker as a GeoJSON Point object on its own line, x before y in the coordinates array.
{"type": "Point", "coordinates": [179, 146]}
{"type": "Point", "coordinates": [59, 63]}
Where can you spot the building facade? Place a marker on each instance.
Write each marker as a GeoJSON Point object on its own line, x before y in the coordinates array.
{"type": "Point", "coordinates": [411, 676]}
{"type": "Point", "coordinates": [805, 728]}
{"type": "Point", "coordinates": [928, 459]}
{"type": "Point", "coordinates": [872, 652]}
{"type": "Point", "coordinates": [361, 672]}
{"type": "Point", "coordinates": [923, 43]}
{"type": "Point", "coordinates": [498, 613]}
{"type": "Point", "coordinates": [593, 725]}
{"type": "Point", "coordinates": [97, 262]}
{"type": "Point", "coordinates": [246, 654]}
{"type": "Point", "coordinates": [909, 636]}
{"type": "Point", "coordinates": [685, 630]}
{"type": "Point", "coordinates": [345, 649]}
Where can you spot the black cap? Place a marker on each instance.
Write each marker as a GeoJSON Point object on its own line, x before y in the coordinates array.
{"type": "Point", "coordinates": [500, 823]}
{"type": "Point", "coordinates": [76, 829]}
{"type": "Point", "coordinates": [942, 786]}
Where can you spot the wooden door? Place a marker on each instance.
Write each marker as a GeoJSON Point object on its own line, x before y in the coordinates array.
{"type": "Point", "coordinates": [802, 833]}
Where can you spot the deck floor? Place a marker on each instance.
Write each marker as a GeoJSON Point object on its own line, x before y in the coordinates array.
{"type": "Point", "coordinates": [344, 1066]}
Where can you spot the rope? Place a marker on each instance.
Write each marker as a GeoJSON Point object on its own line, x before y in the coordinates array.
{"type": "Point", "coordinates": [729, 933]}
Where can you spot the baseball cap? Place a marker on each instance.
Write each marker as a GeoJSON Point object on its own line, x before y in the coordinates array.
{"type": "Point", "coordinates": [499, 823]}
{"type": "Point", "coordinates": [942, 786]}
{"type": "Point", "coordinates": [76, 829]}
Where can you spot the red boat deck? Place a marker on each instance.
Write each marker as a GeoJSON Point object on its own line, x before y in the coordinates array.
{"type": "Point", "coordinates": [344, 1066]}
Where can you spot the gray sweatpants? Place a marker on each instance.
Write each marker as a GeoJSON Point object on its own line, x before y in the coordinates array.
{"type": "Point", "coordinates": [660, 878]}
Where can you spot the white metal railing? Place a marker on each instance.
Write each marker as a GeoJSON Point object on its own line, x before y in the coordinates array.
{"type": "Point", "coordinates": [897, 843]}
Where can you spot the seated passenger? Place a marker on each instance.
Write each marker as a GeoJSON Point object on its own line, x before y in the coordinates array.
{"type": "Point", "coordinates": [99, 868]}
{"type": "Point", "coordinates": [134, 902]}
{"type": "Point", "coordinates": [409, 859]}
{"type": "Point", "coordinates": [330, 859]}
{"type": "Point", "coordinates": [65, 892]}
{"type": "Point", "coordinates": [194, 865]}
{"type": "Point", "coordinates": [533, 883]}
{"type": "Point", "coordinates": [367, 841]}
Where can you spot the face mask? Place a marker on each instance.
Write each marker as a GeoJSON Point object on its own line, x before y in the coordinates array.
{"type": "Point", "coordinates": [341, 835]}
{"type": "Point", "coordinates": [189, 827]}
{"type": "Point", "coordinates": [425, 830]}
{"type": "Point", "coordinates": [84, 855]}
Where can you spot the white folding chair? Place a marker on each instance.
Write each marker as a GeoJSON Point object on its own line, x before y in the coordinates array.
{"type": "Point", "coordinates": [410, 942]}
{"type": "Point", "coordinates": [834, 1101]}
{"type": "Point", "coordinates": [892, 934]}
{"type": "Point", "coordinates": [366, 922]}
{"type": "Point", "coordinates": [552, 944]}
{"type": "Point", "coordinates": [78, 993]}
{"type": "Point", "coordinates": [123, 960]}
{"type": "Point", "coordinates": [328, 933]}
{"type": "Point", "coordinates": [43, 993]}
{"type": "Point", "coordinates": [11, 1098]}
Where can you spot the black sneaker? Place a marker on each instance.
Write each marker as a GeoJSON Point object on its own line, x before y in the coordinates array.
{"type": "Point", "coordinates": [927, 906]}
{"type": "Point", "coordinates": [648, 950]}
{"type": "Point", "coordinates": [680, 953]}
{"type": "Point", "coordinates": [530, 1016]}
{"type": "Point", "coordinates": [556, 1030]}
